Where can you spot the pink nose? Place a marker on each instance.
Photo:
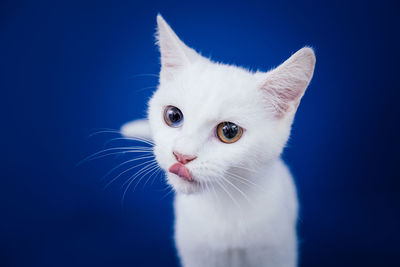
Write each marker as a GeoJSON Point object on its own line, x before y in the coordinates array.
{"type": "Point", "coordinates": [183, 158]}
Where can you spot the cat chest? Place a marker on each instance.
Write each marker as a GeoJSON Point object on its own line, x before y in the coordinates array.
{"type": "Point", "coordinates": [221, 230]}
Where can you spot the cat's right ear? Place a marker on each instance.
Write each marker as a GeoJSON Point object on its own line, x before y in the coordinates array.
{"type": "Point", "coordinates": [174, 53]}
{"type": "Point", "coordinates": [284, 86]}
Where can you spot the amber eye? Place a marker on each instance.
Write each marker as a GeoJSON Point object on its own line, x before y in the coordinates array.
{"type": "Point", "coordinates": [173, 116]}
{"type": "Point", "coordinates": [228, 132]}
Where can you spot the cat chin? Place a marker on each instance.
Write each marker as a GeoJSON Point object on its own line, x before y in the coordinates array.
{"type": "Point", "coordinates": [183, 186]}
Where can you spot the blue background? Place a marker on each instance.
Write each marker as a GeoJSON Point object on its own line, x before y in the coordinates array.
{"type": "Point", "coordinates": [68, 68]}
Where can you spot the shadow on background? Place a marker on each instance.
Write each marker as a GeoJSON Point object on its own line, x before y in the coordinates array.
{"type": "Point", "coordinates": [71, 67]}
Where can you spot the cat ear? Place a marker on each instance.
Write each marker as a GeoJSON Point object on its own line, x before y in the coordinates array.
{"type": "Point", "coordinates": [174, 53]}
{"type": "Point", "coordinates": [285, 85]}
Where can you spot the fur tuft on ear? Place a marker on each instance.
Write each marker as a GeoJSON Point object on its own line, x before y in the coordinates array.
{"type": "Point", "coordinates": [285, 85]}
{"type": "Point", "coordinates": [174, 53]}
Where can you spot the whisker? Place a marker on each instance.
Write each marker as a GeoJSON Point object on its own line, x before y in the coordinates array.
{"type": "Point", "coordinates": [234, 186]}
{"type": "Point", "coordinates": [227, 192]}
{"type": "Point", "coordinates": [113, 153]}
{"type": "Point", "coordinates": [144, 75]}
{"type": "Point", "coordinates": [215, 192]}
{"type": "Point", "coordinates": [158, 172]}
{"type": "Point", "coordinates": [145, 168]}
{"type": "Point", "coordinates": [169, 192]}
{"type": "Point", "coordinates": [201, 186]}
{"type": "Point", "coordinates": [166, 187]}
{"type": "Point", "coordinates": [242, 178]}
{"type": "Point", "coordinates": [140, 139]}
{"type": "Point", "coordinates": [152, 175]}
{"type": "Point", "coordinates": [244, 168]}
{"type": "Point", "coordinates": [129, 139]}
{"type": "Point", "coordinates": [113, 131]}
{"type": "Point", "coordinates": [132, 148]}
{"type": "Point", "coordinates": [207, 189]}
{"type": "Point", "coordinates": [131, 168]}
{"type": "Point", "coordinates": [132, 179]}
{"type": "Point", "coordinates": [144, 175]}
{"type": "Point", "coordinates": [126, 162]}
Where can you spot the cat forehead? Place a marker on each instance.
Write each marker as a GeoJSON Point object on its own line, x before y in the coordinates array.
{"type": "Point", "coordinates": [223, 90]}
{"type": "Point", "coordinates": [208, 82]}
{"type": "Point", "coordinates": [215, 74]}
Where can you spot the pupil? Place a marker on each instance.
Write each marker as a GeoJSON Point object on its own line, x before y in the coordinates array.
{"type": "Point", "coordinates": [230, 130]}
{"type": "Point", "coordinates": [174, 115]}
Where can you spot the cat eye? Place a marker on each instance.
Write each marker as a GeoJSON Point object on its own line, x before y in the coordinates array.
{"type": "Point", "coordinates": [173, 117]}
{"type": "Point", "coordinates": [228, 132]}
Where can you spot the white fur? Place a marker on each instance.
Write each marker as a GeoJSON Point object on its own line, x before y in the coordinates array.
{"type": "Point", "coordinates": [242, 208]}
{"type": "Point", "coordinates": [140, 128]}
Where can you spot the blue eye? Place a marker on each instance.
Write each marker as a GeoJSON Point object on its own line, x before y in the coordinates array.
{"type": "Point", "coordinates": [173, 117]}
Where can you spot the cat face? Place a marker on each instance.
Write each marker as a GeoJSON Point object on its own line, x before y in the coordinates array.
{"type": "Point", "coordinates": [211, 121]}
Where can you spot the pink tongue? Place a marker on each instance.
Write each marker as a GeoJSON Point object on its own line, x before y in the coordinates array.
{"type": "Point", "coordinates": [180, 170]}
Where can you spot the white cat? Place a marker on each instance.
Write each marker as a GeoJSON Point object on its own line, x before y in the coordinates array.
{"type": "Point", "coordinates": [219, 131]}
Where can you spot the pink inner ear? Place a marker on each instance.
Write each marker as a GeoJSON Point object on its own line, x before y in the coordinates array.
{"type": "Point", "coordinates": [174, 53]}
{"type": "Point", "coordinates": [172, 65]}
{"type": "Point", "coordinates": [283, 95]}
{"type": "Point", "coordinates": [285, 85]}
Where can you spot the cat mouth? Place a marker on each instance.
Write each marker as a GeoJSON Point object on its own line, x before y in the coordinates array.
{"type": "Point", "coordinates": [182, 179]}
{"type": "Point", "coordinates": [181, 171]}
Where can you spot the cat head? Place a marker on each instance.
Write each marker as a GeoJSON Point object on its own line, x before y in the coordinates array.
{"type": "Point", "coordinates": [211, 120]}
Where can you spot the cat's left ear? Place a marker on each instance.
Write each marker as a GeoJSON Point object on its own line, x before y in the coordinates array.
{"type": "Point", "coordinates": [174, 53]}
{"type": "Point", "coordinates": [284, 86]}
